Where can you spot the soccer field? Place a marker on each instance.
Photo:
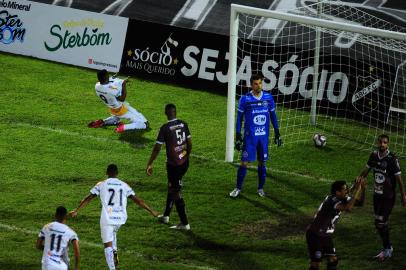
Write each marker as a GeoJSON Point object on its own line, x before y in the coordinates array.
{"type": "Point", "coordinates": [49, 158]}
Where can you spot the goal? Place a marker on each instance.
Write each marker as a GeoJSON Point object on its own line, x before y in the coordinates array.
{"type": "Point", "coordinates": [331, 68]}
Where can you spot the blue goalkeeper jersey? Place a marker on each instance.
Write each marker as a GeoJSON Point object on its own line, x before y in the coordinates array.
{"type": "Point", "coordinates": [257, 113]}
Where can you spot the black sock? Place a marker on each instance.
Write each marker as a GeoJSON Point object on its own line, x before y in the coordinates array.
{"type": "Point", "coordinates": [384, 233]}
{"type": "Point", "coordinates": [169, 205]}
{"type": "Point", "coordinates": [180, 207]}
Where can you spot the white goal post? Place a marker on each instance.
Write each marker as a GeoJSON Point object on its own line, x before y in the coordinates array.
{"type": "Point", "coordinates": [375, 38]}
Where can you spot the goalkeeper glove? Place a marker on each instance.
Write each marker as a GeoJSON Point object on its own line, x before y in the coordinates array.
{"type": "Point", "coordinates": [277, 139]}
{"type": "Point", "coordinates": [238, 141]}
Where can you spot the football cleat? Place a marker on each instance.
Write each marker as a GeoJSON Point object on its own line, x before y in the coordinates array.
{"type": "Point", "coordinates": [116, 261]}
{"type": "Point", "coordinates": [380, 257]}
{"type": "Point", "coordinates": [120, 128]}
{"type": "Point", "coordinates": [388, 252]}
{"type": "Point", "coordinates": [384, 254]}
{"type": "Point", "coordinates": [261, 193]}
{"type": "Point", "coordinates": [180, 226]}
{"type": "Point", "coordinates": [163, 219]}
{"type": "Point", "coordinates": [96, 124]}
{"type": "Point", "coordinates": [235, 193]}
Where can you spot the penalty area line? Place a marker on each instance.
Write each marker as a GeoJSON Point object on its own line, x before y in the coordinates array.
{"type": "Point", "coordinates": [94, 245]}
{"type": "Point", "coordinates": [102, 139]}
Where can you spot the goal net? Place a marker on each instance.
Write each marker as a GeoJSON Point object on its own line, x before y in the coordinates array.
{"type": "Point", "coordinates": [331, 68]}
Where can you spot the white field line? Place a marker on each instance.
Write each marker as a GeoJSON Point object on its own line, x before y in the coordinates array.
{"type": "Point", "coordinates": [100, 246]}
{"type": "Point", "coordinates": [103, 139]}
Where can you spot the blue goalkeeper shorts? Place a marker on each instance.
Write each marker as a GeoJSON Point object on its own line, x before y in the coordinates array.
{"type": "Point", "coordinates": [255, 149]}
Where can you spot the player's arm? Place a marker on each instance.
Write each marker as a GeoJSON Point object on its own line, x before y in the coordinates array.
{"type": "Point", "coordinates": [123, 91]}
{"type": "Point", "coordinates": [40, 243]}
{"type": "Point", "coordinates": [402, 189]}
{"type": "Point", "coordinates": [355, 197]}
{"type": "Point", "coordinates": [274, 121]}
{"type": "Point", "coordinates": [142, 204]}
{"type": "Point", "coordinates": [154, 154]}
{"type": "Point", "coordinates": [189, 146]}
{"type": "Point", "coordinates": [76, 251]}
{"type": "Point", "coordinates": [82, 204]}
{"type": "Point", "coordinates": [238, 136]}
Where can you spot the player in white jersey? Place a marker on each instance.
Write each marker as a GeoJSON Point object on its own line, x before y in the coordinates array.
{"type": "Point", "coordinates": [113, 195]}
{"type": "Point", "coordinates": [113, 92]}
{"type": "Point", "coordinates": [54, 239]}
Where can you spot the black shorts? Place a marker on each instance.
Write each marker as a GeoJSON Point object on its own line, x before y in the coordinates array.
{"type": "Point", "coordinates": [175, 174]}
{"type": "Point", "coordinates": [383, 208]}
{"type": "Point", "coordinates": [319, 246]}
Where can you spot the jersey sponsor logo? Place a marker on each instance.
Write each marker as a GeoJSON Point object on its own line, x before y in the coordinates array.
{"type": "Point", "coordinates": [379, 178]}
{"type": "Point", "coordinates": [259, 120]}
{"type": "Point", "coordinates": [259, 111]}
{"type": "Point", "coordinates": [181, 125]}
{"type": "Point", "coordinates": [260, 131]}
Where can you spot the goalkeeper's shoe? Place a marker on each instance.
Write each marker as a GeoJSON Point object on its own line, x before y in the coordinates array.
{"type": "Point", "coordinates": [235, 193]}
{"type": "Point", "coordinates": [116, 260]}
{"type": "Point", "coordinates": [163, 219]}
{"type": "Point", "coordinates": [180, 226]}
{"type": "Point", "coordinates": [120, 128]}
{"type": "Point", "coordinates": [96, 124]}
{"type": "Point", "coordinates": [261, 193]}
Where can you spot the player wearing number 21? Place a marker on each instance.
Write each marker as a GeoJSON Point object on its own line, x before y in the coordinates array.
{"type": "Point", "coordinates": [113, 195]}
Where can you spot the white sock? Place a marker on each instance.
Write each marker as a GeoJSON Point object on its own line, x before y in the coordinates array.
{"type": "Point", "coordinates": [135, 125]}
{"type": "Point", "coordinates": [108, 253]}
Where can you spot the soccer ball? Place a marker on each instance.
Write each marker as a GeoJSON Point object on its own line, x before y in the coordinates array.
{"type": "Point", "coordinates": [319, 140]}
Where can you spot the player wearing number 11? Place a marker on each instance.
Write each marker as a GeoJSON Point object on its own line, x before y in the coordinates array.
{"type": "Point", "coordinates": [113, 195]}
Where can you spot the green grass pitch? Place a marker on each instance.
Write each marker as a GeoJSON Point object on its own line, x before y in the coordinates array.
{"type": "Point", "coordinates": [49, 158]}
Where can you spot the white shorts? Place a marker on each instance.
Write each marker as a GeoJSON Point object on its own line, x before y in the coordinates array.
{"type": "Point", "coordinates": [133, 115]}
{"type": "Point", "coordinates": [108, 232]}
{"type": "Point", "coordinates": [50, 265]}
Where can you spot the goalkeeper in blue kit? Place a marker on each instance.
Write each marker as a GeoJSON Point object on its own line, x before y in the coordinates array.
{"type": "Point", "coordinates": [257, 110]}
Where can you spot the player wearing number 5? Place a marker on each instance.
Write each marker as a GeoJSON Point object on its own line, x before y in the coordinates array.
{"type": "Point", "coordinates": [113, 195]}
{"type": "Point", "coordinates": [257, 110]}
{"type": "Point", "coordinates": [113, 92]}
{"type": "Point", "coordinates": [54, 239]}
{"type": "Point", "coordinates": [176, 136]}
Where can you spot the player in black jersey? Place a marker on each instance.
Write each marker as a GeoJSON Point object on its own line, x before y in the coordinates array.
{"type": "Point", "coordinates": [319, 232]}
{"type": "Point", "coordinates": [176, 136]}
{"type": "Point", "coordinates": [386, 172]}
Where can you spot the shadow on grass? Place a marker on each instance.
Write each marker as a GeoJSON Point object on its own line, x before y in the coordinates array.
{"type": "Point", "coordinates": [283, 221]}
{"type": "Point", "coordinates": [238, 256]}
{"type": "Point", "coordinates": [135, 138]}
{"type": "Point", "coordinates": [7, 264]}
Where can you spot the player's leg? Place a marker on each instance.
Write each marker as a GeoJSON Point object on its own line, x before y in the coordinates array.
{"type": "Point", "coordinates": [329, 250]}
{"type": "Point", "coordinates": [332, 263]}
{"type": "Point", "coordinates": [314, 249]}
{"type": "Point", "coordinates": [247, 155]}
{"type": "Point", "coordinates": [114, 244]}
{"type": "Point", "coordinates": [175, 181]}
{"type": "Point", "coordinates": [383, 209]}
{"type": "Point", "coordinates": [262, 157]}
{"type": "Point", "coordinates": [137, 120]}
{"type": "Point", "coordinates": [107, 235]}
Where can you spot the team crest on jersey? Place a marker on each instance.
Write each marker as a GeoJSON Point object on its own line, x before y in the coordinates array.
{"type": "Point", "coordinates": [365, 98]}
{"type": "Point", "coordinates": [245, 154]}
